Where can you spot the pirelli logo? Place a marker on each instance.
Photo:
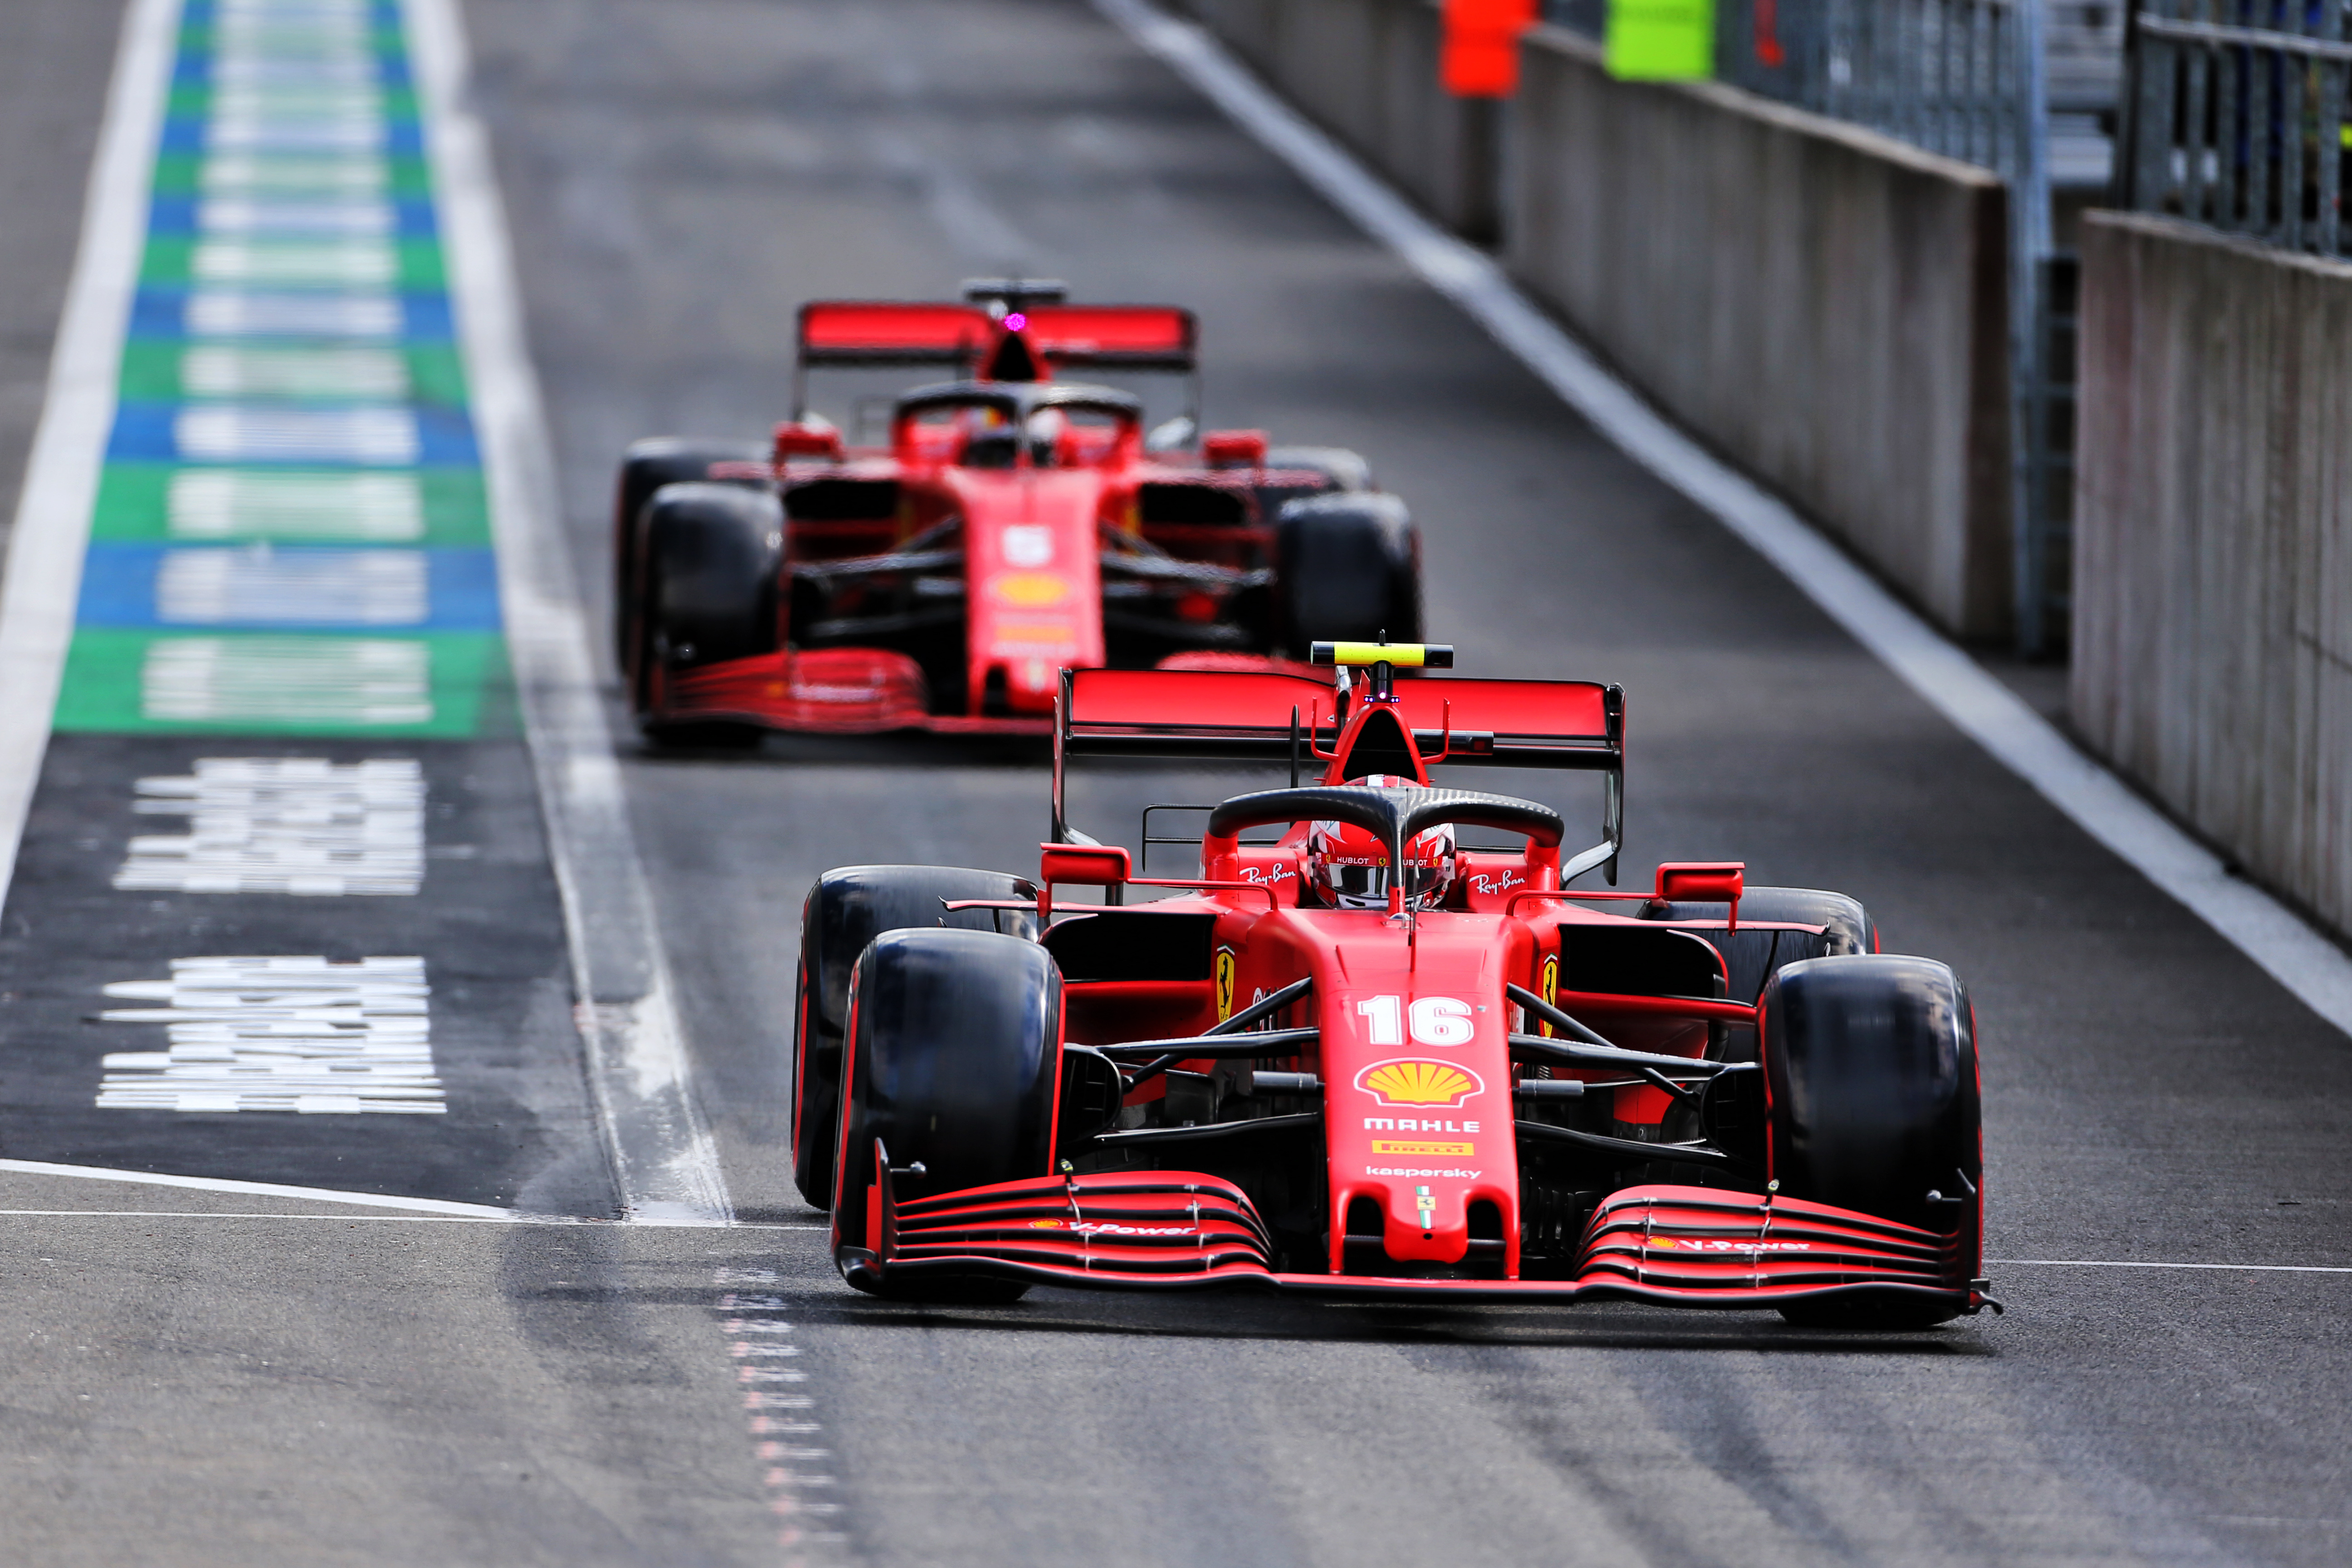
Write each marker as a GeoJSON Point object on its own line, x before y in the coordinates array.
{"type": "Point", "coordinates": [1416, 1150]}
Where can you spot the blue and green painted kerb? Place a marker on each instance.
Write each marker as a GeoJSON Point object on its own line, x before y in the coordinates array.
{"type": "Point", "coordinates": [118, 622]}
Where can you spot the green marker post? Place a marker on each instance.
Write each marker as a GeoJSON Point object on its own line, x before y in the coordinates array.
{"type": "Point", "coordinates": [1661, 40]}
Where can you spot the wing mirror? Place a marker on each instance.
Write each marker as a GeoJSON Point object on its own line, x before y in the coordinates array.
{"type": "Point", "coordinates": [1090, 865]}
{"type": "Point", "coordinates": [1702, 882]}
{"type": "Point", "coordinates": [1234, 449]}
{"type": "Point", "coordinates": [808, 438]}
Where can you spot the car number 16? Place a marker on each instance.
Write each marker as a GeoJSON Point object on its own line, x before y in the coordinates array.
{"type": "Point", "coordinates": [1436, 1020]}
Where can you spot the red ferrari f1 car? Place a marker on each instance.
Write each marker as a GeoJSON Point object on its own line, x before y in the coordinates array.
{"type": "Point", "coordinates": [1014, 525]}
{"type": "Point", "coordinates": [1365, 1058]}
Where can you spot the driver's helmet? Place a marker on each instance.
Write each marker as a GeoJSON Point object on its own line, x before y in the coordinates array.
{"type": "Point", "coordinates": [1348, 866]}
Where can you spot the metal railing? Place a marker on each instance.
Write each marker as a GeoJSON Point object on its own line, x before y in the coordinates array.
{"type": "Point", "coordinates": [2235, 117]}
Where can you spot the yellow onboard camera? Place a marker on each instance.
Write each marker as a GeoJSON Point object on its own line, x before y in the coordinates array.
{"type": "Point", "coordinates": [1395, 655]}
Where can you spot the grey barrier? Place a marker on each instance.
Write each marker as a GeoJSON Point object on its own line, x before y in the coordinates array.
{"type": "Point", "coordinates": [1827, 305]}
{"type": "Point", "coordinates": [2213, 565]}
{"type": "Point", "coordinates": [1368, 70]}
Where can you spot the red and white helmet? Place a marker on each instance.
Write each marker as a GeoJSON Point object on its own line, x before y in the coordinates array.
{"type": "Point", "coordinates": [1348, 866]}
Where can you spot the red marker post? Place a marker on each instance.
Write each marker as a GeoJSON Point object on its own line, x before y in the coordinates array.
{"type": "Point", "coordinates": [1480, 56]}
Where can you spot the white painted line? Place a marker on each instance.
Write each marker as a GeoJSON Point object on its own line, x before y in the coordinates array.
{"type": "Point", "coordinates": [231, 503]}
{"type": "Point", "coordinates": [43, 579]}
{"type": "Point", "coordinates": [288, 680]}
{"type": "Point", "coordinates": [665, 1161]}
{"type": "Point", "coordinates": [264, 588]}
{"type": "Point", "coordinates": [303, 825]}
{"type": "Point", "coordinates": [2114, 1263]}
{"type": "Point", "coordinates": [367, 263]}
{"type": "Point", "coordinates": [302, 1035]}
{"type": "Point", "coordinates": [496, 1217]}
{"type": "Point", "coordinates": [241, 433]}
{"type": "Point", "coordinates": [240, 313]}
{"type": "Point", "coordinates": [364, 373]}
{"type": "Point", "coordinates": [2307, 964]}
{"type": "Point", "coordinates": [254, 1189]}
{"type": "Point", "coordinates": [305, 176]}
{"type": "Point", "coordinates": [247, 217]}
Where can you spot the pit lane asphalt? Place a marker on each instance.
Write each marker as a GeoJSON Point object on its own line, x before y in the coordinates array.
{"type": "Point", "coordinates": [2150, 1095]}
{"type": "Point", "coordinates": [679, 175]}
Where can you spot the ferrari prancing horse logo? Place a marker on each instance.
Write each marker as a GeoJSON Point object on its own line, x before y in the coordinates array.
{"type": "Point", "coordinates": [1224, 983]}
{"type": "Point", "coordinates": [1550, 984]}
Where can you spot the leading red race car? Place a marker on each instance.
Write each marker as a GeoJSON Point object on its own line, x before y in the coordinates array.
{"type": "Point", "coordinates": [1365, 1059]}
{"type": "Point", "coordinates": [1014, 525]}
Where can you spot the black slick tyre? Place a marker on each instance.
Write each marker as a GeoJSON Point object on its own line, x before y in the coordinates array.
{"type": "Point", "coordinates": [1869, 1067]}
{"type": "Point", "coordinates": [707, 591]}
{"type": "Point", "coordinates": [1347, 566]}
{"type": "Point", "coordinates": [646, 467]}
{"type": "Point", "coordinates": [846, 908]}
{"type": "Point", "coordinates": [949, 1068]}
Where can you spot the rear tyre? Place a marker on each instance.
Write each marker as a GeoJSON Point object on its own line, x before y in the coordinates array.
{"type": "Point", "coordinates": [1870, 1065]}
{"type": "Point", "coordinates": [712, 558]}
{"type": "Point", "coordinates": [953, 1052]}
{"type": "Point", "coordinates": [1342, 468]}
{"type": "Point", "coordinates": [845, 910]}
{"type": "Point", "coordinates": [646, 467]}
{"type": "Point", "coordinates": [1347, 566]}
{"type": "Point", "coordinates": [1334, 469]}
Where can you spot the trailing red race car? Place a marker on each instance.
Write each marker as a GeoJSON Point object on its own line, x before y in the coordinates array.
{"type": "Point", "coordinates": [1364, 1059]}
{"type": "Point", "coordinates": [1014, 525]}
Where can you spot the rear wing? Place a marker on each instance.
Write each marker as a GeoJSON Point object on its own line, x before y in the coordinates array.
{"type": "Point", "coordinates": [1269, 716]}
{"type": "Point", "coordinates": [870, 333]}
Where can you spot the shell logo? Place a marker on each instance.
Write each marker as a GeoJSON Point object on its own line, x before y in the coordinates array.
{"type": "Point", "coordinates": [1419, 1083]}
{"type": "Point", "coordinates": [1031, 590]}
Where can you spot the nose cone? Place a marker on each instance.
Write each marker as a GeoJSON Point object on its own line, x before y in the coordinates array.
{"type": "Point", "coordinates": [1423, 1228]}
{"type": "Point", "coordinates": [1433, 1137]}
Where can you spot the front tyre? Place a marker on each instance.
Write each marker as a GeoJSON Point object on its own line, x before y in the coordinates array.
{"type": "Point", "coordinates": [1870, 1065]}
{"type": "Point", "coordinates": [713, 555]}
{"type": "Point", "coordinates": [846, 908]}
{"type": "Point", "coordinates": [950, 1069]}
{"type": "Point", "coordinates": [646, 468]}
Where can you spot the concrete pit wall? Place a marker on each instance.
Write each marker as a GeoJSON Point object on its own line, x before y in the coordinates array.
{"type": "Point", "coordinates": [2213, 540]}
{"type": "Point", "coordinates": [1367, 69]}
{"type": "Point", "coordinates": [1827, 307]}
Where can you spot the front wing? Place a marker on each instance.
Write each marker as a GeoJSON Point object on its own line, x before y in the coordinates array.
{"type": "Point", "coordinates": [865, 692]}
{"type": "Point", "coordinates": [841, 691]}
{"type": "Point", "coordinates": [1677, 1245]}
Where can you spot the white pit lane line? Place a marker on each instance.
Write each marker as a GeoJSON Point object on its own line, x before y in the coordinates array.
{"type": "Point", "coordinates": [40, 593]}
{"type": "Point", "coordinates": [664, 1157]}
{"type": "Point", "coordinates": [2306, 963]}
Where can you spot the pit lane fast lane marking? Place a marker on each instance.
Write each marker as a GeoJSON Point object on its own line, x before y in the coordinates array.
{"type": "Point", "coordinates": [307, 1034]}
{"type": "Point", "coordinates": [779, 1411]}
{"type": "Point", "coordinates": [665, 1160]}
{"type": "Point", "coordinates": [304, 826]}
{"type": "Point", "coordinates": [2280, 942]}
